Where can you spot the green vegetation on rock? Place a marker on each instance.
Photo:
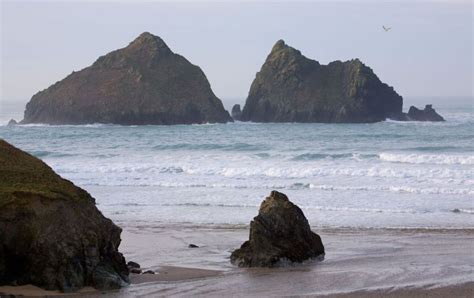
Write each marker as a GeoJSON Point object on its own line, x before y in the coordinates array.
{"type": "Point", "coordinates": [22, 173]}
{"type": "Point", "coordinates": [51, 233]}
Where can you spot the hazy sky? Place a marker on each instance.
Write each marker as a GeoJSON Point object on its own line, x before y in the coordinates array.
{"type": "Point", "coordinates": [428, 52]}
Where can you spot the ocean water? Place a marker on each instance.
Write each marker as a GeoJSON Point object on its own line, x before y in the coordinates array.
{"type": "Point", "coordinates": [381, 175]}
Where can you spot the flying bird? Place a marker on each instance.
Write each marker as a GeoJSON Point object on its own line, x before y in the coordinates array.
{"type": "Point", "coordinates": [386, 28]}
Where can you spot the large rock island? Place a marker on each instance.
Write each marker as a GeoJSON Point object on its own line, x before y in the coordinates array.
{"type": "Point", "coordinates": [292, 88]}
{"type": "Point", "coordinates": [51, 233]}
{"type": "Point", "coordinates": [143, 83]}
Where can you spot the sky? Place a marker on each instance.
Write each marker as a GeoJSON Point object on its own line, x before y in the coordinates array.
{"type": "Point", "coordinates": [428, 51]}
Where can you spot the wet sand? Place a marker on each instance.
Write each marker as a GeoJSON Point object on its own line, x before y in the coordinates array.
{"type": "Point", "coordinates": [163, 274]}
{"type": "Point", "coordinates": [459, 291]}
{"type": "Point", "coordinates": [358, 263]}
{"type": "Point", "coordinates": [33, 291]}
{"type": "Point", "coordinates": [173, 274]}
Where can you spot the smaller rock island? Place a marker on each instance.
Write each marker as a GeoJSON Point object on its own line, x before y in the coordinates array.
{"type": "Point", "coordinates": [427, 114]}
{"type": "Point", "coordinates": [293, 88]}
{"type": "Point", "coordinates": [236, 112]}
{"type": "Point", "coordinates": [12, 122]}
{"type": "Point", "coordinates": [279, 233]}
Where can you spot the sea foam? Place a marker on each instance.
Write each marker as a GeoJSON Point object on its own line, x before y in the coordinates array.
{"type": "Point", "coordinates": [428, 158]}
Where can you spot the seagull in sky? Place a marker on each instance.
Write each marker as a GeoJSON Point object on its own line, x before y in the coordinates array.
{"type": "Point", "coordinates": [386, 28]}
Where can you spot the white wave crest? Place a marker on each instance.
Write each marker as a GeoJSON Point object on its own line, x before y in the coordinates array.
{"type": "Point", "coordinates": [468, 211]}
{"type": "Point", "coordinates": [92, 125]}
{"type": "Point", "coordinates": [428, 158]}
{"type": "Point", "coordinates": [396, 189]}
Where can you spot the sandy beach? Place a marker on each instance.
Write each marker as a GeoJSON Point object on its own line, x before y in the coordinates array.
{"type": "Point", "coordinates": [358, 263]}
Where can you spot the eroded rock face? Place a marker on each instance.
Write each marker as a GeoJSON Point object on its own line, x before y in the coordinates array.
{"type": "Point", "coordinates": [51, 233]}
{"type": "Point", "coordinates": [280, 232]}
{"type": "Point", "coordinates": [293, 88]}
{"type": "Point", "coordinates": [427, 114]}
{"type": "Point", "coordinates": [236, 113]}
{"type": "Point", "coordinates": [143, 83]}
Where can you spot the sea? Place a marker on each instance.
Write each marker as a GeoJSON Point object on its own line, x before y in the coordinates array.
{"type": "Point", "coordinates": [380, 175]}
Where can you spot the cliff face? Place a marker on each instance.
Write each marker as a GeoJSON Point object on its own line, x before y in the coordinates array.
{"type": "Point", "coordinates": [143, 83]}
{"type": "Point", "coordinates": [51, 233]}
{"type": "Point", "coordinates": [293, 88]}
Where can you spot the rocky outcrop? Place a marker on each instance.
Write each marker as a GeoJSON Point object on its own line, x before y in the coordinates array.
{"type": "Point", "coordinates": [415, 114]}
{"type": "Point", "coordinates": [236, 112]}
{"type": "Point", "coordinates": [134, 267]}
{"type": "Point", "coordinates": [292, 88]}
{"type": "Point", "coordinates": [427, 114]}
{"type": "Point", "coordinates": [12, 122]}
{"type": "Point", "coordinates": [51, 233]}
{"type": "Point", "coordinates": [143, 83]}
{"type": "Point", "coordinates": [280, 232]}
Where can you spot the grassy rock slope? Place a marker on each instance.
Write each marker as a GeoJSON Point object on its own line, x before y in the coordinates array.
{"type": "Point", "coordinates": [51, 233]}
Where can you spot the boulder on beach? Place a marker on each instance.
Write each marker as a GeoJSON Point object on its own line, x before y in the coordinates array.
{"type": "Point", "coordinates": [236, 113]}
{"type": "Point", "coordinates": [427, 114]}
{"type": "Point", "coordinates": [131, 264]}
{"type": "Point", "coordinates": [292, 88]}
{"type": "Point", "coordinates": [51, 233]}
{"type": "Point", "coordinates": [143, 83]}
{"type": "Point", "coordinates": [279, 233]}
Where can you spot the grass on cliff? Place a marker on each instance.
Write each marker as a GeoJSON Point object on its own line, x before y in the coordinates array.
{"type": "Point", "coordinates": [23, 176]}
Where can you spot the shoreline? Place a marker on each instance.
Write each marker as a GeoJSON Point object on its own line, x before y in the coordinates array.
{"type": "Point", "coordinates": [165, 274]}
{"type": "Point", "coordinates": [328, 229]}
{"type": "Point", "coordinates": [464, 290]}
{"type": "Point", "coordinates": [458, 290]}
{"type": "Point", "coordinates": [358, 263]}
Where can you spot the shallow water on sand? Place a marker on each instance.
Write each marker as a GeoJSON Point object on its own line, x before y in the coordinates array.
{"type": "Point", "coordinates": [355, 260]}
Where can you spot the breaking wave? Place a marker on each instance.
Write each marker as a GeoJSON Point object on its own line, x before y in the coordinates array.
{"type": "Point", "coordinates": [428, 158]}
{"type": "Point", "coordinates": [317, 156]}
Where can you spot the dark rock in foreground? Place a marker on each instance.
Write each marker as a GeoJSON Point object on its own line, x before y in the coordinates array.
{"type": "Point", "coordinates": [280, 232]}
{"type": "Point", "coordinates": [427, 114]}
{"type": "Point", "coordinates": [236, 113]}
{"type": "Point", "coordinates": [292, 88]}
{"type": "Point", "coordinates": [143, 83]}
{"type": "Point", "coordinates": [51, 233]}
